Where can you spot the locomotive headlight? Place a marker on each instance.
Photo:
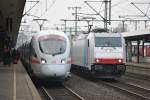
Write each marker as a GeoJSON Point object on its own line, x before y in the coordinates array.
{"type": "Point", "coordinates": [97, 60]}
{"type": "Point", "coordinates": [43, 61]}
{"type": "Point", "coordinates": [119, 60]}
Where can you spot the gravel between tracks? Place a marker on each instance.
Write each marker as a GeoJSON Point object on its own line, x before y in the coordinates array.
{"type": "Point", "coordinates": [92, 91]}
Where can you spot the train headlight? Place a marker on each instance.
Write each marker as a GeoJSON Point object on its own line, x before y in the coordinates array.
{"type": "Point", "coordinates": [43, 61]}
{"type": "Point", "coordinates": [119, 60]}
{"type": "Point", "coordinates": [97, 60]}
{"type": "Point", "coordinates": [63, 61]}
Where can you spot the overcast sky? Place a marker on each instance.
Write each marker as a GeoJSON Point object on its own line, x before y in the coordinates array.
{"type": "Point", "coordinates": [54, 10]}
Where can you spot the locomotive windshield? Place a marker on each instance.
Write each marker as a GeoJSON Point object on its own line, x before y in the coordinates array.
{"type": "Point", "coordinates": [53, 45]}
{"type": "Point", "coordinates": [108, 42]}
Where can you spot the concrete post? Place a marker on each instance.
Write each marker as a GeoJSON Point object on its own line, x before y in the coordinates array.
{"type": "Point", "coordinates": [129, 51]}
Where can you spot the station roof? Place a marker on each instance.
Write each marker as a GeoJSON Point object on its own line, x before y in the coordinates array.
{"type": "Point", "coordinates": [137, 35]}
{"type": "Point", "coordinates": [10, 15]}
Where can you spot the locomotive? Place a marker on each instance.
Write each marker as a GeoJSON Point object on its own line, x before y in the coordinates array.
{"type": "Point", "coordinates": [100, 54]}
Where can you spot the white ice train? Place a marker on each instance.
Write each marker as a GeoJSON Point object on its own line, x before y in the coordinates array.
{"type": "Point", "coordinates": [48, 55]}
{"type": "Point", "coordinates": [101, 54]}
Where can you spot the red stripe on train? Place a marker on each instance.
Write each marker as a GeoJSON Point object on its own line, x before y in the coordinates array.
{"type": "Point", "coordinates": [69, 61]}
{"type": "Point", "coordinates": [35, 61]}
{"type": "Point", "coordinates": [108, 61]}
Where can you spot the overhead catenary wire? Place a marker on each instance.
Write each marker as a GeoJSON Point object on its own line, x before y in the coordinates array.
{"type": "Point", "coordinates": [114, 5]}
{"type": "Point", "coordinates": [49, 7]}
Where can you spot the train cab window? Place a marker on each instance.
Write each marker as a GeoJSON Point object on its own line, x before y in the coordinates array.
{"type": "Point", "coordinates": [53, 45]}
{"type": "Point", "coordinates": [108, 42]}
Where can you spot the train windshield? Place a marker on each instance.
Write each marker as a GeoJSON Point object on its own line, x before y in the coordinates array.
{"type": "Point", "coordinates": [108, 42]}
{"type": "Point", "coordinates": [53, 46]}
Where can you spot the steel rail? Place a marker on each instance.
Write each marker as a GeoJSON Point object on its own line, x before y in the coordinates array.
{"type": "Point", "coordinates": [139, 66]}
{"type": "Point", "coordinates": [129, 91]}
{"type": "Point", "coordinates": [69, 90]}
{"type": "Point", "coordinates": [72, 93]}
{"type": "Point", "coordinates": [46, 93]}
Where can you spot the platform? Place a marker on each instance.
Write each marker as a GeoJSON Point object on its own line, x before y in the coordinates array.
{"type": "Point", "coordinates": [144, 65]}
{"type": "Point", "coordinates": [15, 84]}
{"type": "Point", "coordinates": [139, 68]}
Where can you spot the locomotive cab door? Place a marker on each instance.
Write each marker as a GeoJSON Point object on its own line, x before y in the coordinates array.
{"type": "Point", "coordinates": [90, 49]}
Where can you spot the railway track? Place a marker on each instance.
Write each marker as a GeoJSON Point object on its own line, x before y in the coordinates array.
{"type": "Point", "coordinates": [138, 91]}
{"type": "Point", "coordinates": [141, 66]}
{"type": "Point", "coordinates": [138, 69]}
{"type": "Point", "coordinates": [142, 78]}
{"type": "Point", "coordinates": [61, 93]}
{"type": "Point", "coordinates": [55, 91]}
{"type": "Point", "coordinates": [138, 76]}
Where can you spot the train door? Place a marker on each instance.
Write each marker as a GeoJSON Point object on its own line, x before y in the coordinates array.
{"type": "Point", "coordinates": [89, 50]}
{"type": "Point", "coordinates": [90, 44]}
